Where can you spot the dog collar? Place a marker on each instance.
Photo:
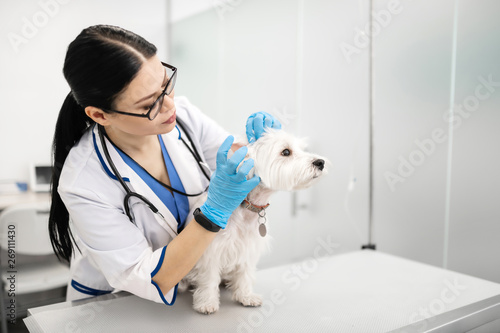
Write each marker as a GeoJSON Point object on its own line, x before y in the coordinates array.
{"type": "Point", "coordinates": [254, 208]}
{"type": "Point", "coordinates": [261, 210]}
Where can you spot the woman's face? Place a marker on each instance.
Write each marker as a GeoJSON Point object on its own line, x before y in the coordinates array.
{"type": "Point", "coordinates": [138, 97]}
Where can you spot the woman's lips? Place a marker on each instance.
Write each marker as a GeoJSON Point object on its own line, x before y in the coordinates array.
{"type": "Point", "coordinates": [170, 120]}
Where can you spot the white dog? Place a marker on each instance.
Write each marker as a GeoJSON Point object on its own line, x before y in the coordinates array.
{"type": "Point", "coordinates": [282, 164]}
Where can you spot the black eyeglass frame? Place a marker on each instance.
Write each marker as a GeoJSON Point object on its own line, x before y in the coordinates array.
{"type": "Point", "coordinates": [158, 100]}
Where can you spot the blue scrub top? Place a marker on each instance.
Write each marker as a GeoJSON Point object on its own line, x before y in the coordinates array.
{"type": "Point", "coordinates": [176, 203]}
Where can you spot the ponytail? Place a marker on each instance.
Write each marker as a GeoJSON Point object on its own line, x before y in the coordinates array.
{"type": "Point", "coordinates": [71, 123]}
{"type": "Point", "coordinates": [99, 64]}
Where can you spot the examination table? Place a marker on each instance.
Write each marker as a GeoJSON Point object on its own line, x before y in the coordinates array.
{"type": "Point", "coordinates": [366, 291]}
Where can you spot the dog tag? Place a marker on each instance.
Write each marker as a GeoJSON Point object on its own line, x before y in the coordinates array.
{"type": "Point", "coordinates": [262, 230]}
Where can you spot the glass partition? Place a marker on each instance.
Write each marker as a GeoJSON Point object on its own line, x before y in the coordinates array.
{"type": "Point", "coordinates": [436, 106]}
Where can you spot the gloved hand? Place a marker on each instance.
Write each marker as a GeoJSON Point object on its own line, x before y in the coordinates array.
{"type": "Point", "coordinates": [228, 187]}
{"type": "Point", "coordinates": [257, 122]}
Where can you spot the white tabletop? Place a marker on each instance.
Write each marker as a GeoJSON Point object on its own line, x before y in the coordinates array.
{"type": "Point", "coordinates": [365, 291]}
{"type": "Point", "coordinates": [7, 200]}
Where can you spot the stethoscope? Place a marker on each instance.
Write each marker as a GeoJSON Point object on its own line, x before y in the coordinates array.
{"type": "Point", "coordinates": [126, 201]}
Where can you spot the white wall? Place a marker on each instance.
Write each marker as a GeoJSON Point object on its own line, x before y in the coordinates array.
{"type": "Point", "coordinates": [31, 82]}
{"type": "Point", "coordinates": [182, 9]}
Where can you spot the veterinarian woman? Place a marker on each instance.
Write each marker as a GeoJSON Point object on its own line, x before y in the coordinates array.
{"type": "Point", "coordinates": [129, 171]}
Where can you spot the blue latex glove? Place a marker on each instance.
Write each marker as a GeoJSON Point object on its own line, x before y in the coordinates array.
{"type": "Point", "coordinates": [257, 122]}
{"type": "Point", "coordinates": [228, 187]}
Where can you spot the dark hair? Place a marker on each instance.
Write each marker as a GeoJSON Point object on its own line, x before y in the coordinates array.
{"type": "Point", "coordinates": [99, 64]}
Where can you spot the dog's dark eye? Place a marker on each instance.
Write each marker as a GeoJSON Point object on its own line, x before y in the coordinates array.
{"type": "Point", "coordinates": [285, 152]}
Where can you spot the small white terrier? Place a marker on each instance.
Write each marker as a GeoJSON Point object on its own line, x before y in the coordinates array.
{"type": "Point", "coordinates": [282, 164]}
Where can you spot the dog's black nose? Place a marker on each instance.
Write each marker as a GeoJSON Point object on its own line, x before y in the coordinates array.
{"type": "Point", "coordinates": [320, 164]}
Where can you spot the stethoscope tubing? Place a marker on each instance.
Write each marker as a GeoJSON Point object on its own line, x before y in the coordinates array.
{"type": "Point", "coordinates": [129, 192]}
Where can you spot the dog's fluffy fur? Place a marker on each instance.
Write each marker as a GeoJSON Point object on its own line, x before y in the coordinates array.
{"type": "Point", "coordinates": [282, 164]}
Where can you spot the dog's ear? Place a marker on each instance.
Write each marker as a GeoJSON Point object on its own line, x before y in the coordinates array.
{"type": "Point", "coordinates": [240, 140]}
{"type": "Point", "coordinates": [252, 172]}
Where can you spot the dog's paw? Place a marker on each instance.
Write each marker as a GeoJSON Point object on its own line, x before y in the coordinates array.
{"type": "Point", "coordinates": [206, 300]}
{"type": "Point", "coordinates": [206, 308]}
{"type": "Point", "coordinates": [250, 300]}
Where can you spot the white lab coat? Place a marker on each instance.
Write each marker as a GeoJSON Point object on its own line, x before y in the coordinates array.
{"type": "Point", "coordinates": [115, 253]}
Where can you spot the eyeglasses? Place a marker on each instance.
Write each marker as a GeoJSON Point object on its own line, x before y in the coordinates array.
{"type": "Point", "coordinates": [155, 108]}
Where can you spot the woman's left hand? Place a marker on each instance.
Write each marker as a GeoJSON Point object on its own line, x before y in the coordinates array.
{"type": "Point", "coordinates": [258, 122]}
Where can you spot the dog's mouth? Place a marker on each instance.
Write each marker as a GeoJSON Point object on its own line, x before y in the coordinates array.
{"type": "Point", "coordinates": [318, 173]}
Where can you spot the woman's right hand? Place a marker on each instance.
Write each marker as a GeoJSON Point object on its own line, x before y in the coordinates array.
{"type": "Point", "coordinates": [229, 185]}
